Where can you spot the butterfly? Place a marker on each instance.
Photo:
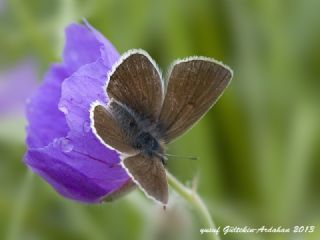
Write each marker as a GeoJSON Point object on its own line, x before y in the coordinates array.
{"type": "Point", "coordinates": [144, 113]}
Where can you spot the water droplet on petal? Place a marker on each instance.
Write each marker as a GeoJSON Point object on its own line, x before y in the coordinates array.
{"type": "Point", "coordinates": [63, 109]}
{"type": "Point", "coordinates": [86, 127]}
{"type": "Point", "coordinates": [56, 142]}
{"type": "Point", "coordinates": [66, 145]}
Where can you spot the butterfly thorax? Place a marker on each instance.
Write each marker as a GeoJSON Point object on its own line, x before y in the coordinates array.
{"type": "Point", "coordinates": [149, 145]}
{"type": "Point", "coordinates": [139, 130]}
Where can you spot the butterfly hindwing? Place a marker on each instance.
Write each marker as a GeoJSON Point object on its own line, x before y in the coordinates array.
{"type": "Point", "coordinates": [194, 86]}
{"type": "Point", "coordinates": [136, 82]}
{"type": "Point", "coordinates": [149, 173]}
{"type": "Point", "coordinates": [115, 126]}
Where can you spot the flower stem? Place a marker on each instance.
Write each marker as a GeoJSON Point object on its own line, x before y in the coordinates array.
{"type": "Point", "coordinates": [194, 199]}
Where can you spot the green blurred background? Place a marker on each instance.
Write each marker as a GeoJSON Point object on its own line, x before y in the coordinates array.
{"type": "Point", "coordinates": [258, 148]}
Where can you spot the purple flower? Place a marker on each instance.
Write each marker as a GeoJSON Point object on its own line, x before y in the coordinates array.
{"type": "Point", "coordinates": [61, 145]}
{"type": "Point", "coordinates": [16, 85]}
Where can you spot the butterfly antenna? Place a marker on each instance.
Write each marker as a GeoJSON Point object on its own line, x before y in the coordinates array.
{"type": "Point", "coordinates": [162, 157]}
{"type": "Point", "coordinates": [178, 156]}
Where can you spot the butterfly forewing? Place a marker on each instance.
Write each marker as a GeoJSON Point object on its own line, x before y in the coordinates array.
{"type": "Point", "coordinates": [194, 86]}
{"type": "Point", "coordinates": [150, 175]}
{"type": "Point", "coordinates": [136, 82]}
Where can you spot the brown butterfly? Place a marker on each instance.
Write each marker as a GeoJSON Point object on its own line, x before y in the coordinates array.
{"type": "Point", "coordinates": [143, 115]}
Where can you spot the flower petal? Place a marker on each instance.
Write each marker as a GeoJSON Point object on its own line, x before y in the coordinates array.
{"type": "Point", "coordinates": [78, 93]}
{"type": "Point", "coordinates": [73, 174]}
{"type": "Point", "coordinates": [46, 122]}
{"type": "Point", "coordinates": [62, 146]}
{"type": "Point", "coordinates": [16, 84]}
{"type": "Point", "coordinates": [108, 52]}
{"type": "Point", "coordinates": [84, 45]}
